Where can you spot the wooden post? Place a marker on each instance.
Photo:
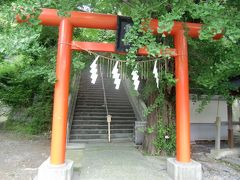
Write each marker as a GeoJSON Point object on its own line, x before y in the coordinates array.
{"type": "Point", "coordinates": [239, 123]}
{"type": "Point", "coordinates": [109, 119]}
{"type": "Point", "coordinates": [230, 126]}
{"type": "Point", "coordinates": [218, 133]}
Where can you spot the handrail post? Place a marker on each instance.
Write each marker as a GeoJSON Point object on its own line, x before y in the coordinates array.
{"type": "Point", "coordinates": [230, 126]}
{"type": "Point", "coordinates": [109, 117]}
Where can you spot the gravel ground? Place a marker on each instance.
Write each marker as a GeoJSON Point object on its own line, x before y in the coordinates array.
{"type": "Point", "coordinates": [21, 156]}
{"type": "Point", "coordinates": [227, 168]}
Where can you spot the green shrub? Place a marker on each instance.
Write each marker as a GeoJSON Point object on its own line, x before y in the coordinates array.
{"type": "Point", "coordinates": [32, 120]}
{"type": "Point", "coordinates": [165, 142]}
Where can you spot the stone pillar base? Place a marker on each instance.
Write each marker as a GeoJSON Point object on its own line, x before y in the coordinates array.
{"type": "Point", "coordinates": [48, 171]}
{"type": "Point", "coordinates": [184, 171]}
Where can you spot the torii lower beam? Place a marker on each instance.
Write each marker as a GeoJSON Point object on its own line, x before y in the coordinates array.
{"type": "Point", "coordinates": [110, 48]}
{"type": "Point", "coordinates": [179, 168]}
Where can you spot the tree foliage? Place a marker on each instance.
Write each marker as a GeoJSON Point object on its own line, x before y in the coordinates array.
{"type": "Point", "coordinates": [27, 51]}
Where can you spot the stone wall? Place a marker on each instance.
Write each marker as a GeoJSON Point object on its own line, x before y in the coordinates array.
{"type": "Point", "coordinates": [4, 111]}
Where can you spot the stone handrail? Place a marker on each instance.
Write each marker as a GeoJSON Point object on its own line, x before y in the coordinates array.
{"type": "Point", "coordinates": [74, 87]}
{"type": "Point", "coordinates": [137, 103]}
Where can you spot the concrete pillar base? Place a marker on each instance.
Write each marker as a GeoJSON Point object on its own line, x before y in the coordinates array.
{"type": "Point", "coordinates": [48, 171]}
{"type": "Point", "coordinates": [184, 171]}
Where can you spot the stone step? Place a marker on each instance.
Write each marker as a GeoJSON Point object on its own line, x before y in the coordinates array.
{"type": "Point", "coordinates": [100, 88]}
{"type": "Point", "coordinates": [101, 98]}
{"type": "Point", "coordinates": [100, 136]}
{"type": "Point", "coordinates": [78, 117]}
{"type": "Point", "coordinates": [105, 126]}
{"type": "Point", "coordinates": [79, 106]}
{"type": "Point", "coordinates": [92, 96]}
{"type": "Point", "coordinates": [113, 101]}
{"type": "Point", "coordinates": [100, 131]}
{"type": "Point", "coordinates": [101, 101]}
{"type": "Point", "coordinates": [102, 108]}
{"type": "Point", "coordinates": [100, 93]}
{"type": "Point", "coordinates": [103, 113]}
{"type": "Point", "coordinates": [98, 85]}
{"type": "Point", "coordinates": [111, 104]}
{"type": "Point", "coordinates": [89, 141]}
{"type": "Point", "coordinates": [96, 123]}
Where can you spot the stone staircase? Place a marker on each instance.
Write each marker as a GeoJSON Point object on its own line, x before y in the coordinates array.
{"type": "Point", "coordinates": [89, 122]}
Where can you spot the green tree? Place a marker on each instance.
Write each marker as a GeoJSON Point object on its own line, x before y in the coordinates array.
{"type": "Point", "coordinates": [212, 63]}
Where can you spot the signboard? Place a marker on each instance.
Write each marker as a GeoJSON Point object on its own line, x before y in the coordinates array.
{"type": "Point", "coordinates": [123, 26]}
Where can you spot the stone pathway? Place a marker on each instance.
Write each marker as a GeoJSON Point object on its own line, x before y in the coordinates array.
{"type": "Point", "coordinates": [121, 161]}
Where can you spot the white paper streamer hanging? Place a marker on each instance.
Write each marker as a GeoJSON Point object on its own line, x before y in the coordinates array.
{"type": "Point", "coordinates": [135, 78]}
{"type": "Point", "coordinates": [94, 70]}
{"type": "Point", "coordinates": [155, 72]}
{"type": "Point", "coordinates": [116, 76]}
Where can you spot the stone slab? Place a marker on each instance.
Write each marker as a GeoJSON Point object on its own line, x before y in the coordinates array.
{"type": "Point", "coordinates": [75, 146]}
{"type": "Point", "coordinates": [184, 171]}
{"type": "Point", "coordinates": [218, 154]}
{"type": "Point", "coordinates": [75, 155]}
{"type": "Point", "coordinates": [121, 161]}
{"type": "Point", "coordinates": [139, 132]}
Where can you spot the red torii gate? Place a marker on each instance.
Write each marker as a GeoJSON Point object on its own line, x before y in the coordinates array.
{"type": "Point", "coordinates": [50, 17]}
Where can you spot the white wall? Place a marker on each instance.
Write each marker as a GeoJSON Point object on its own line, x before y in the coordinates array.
{"type": "Point", "coordinates": [208, 115]}
{"type": "Point", "coordinates": [203, 123]}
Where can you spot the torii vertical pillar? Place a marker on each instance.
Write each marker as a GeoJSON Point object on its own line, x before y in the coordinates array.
{"type": "Point", "coordinates": [61, 92]}
{"type": "Point", "coordinates": [182, 167]}
{"type": "Point", "coordinates": [182, 99]}
{"type": "Point", "coordinates": [57, 168]}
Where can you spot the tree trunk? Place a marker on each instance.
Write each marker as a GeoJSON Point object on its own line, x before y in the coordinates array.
{"type": "Point", "coordinates": [149, 138]}
{"type": "Point", "coordinates": [166, 111]}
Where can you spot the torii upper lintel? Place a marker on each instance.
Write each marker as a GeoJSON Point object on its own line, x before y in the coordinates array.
{"type": "Point", "coordinates": [50, 17]}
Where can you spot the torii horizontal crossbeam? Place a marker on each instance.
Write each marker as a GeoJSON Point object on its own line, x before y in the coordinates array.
{"type": "Point", "coordinates": [50, 17]}
{"type": "Point", "coordinates": [110, 48]}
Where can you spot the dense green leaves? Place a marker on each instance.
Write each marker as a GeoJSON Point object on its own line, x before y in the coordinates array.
{"type": "Point", "coordinates": [27, 51]}
{"type": "Point", "coordinates": [211, 66]}
{"type": "Point", "coordinates": [165, 142]}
